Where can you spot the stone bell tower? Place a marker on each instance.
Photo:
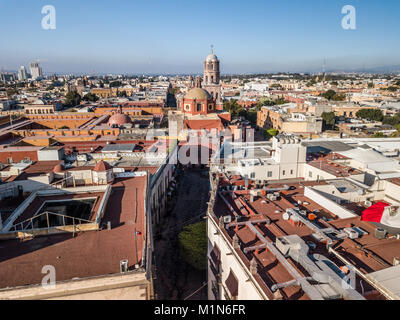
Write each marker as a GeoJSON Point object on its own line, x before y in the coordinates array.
{"type": "Point", "coordinates": [211, 79]}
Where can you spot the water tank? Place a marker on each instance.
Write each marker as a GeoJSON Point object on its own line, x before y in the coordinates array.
{"type": "Point", "coordinates": [380, 233]}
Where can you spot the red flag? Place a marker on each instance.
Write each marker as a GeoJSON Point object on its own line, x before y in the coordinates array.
{"type": "Point", "coordinates": [374, 213]}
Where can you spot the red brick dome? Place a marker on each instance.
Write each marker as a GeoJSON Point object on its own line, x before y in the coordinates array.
{"type": "Point", "coordinates": [119, 119]}
{"type": "Point", "coordinates": [102, 166]}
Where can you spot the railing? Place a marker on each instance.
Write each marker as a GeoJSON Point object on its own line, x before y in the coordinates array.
{"type": "Point", "coordinates": [24, 225]}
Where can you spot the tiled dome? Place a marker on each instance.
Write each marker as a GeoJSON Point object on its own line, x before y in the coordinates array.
{"type": "Point", "coordinates": [119, 119]}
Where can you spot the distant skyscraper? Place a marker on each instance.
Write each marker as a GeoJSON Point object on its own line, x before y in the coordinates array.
{"type": "Point", "coordinates": [36, 70]}
{"type": "Point", "coordinates": [22, 74]}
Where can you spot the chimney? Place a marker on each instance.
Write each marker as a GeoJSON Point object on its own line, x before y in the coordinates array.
{"type": "Point", "coordinates": [221, 222]}
{"type": "Point", "coordinates": [253, 266]}
{"type": "Point", "coordinates": [236, 242]}
{"type": "Point", "coordinates": [278, 295]}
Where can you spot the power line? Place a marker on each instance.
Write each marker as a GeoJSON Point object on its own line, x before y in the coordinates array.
{"type": "Point", "coordinates": [191, 295]}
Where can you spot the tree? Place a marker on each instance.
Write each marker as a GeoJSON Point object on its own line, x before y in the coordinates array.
{"type": "Point", "coordinates": [265, 102]}
{"type": "Point", "coordinates": [329, 120]}
{"type": "Point", "coordinates": [251, 115]}
{"type": "Point", "coordinates": [122, 94]}
{"type": "Point", "coordinates": [379, 135]}
{"type": "Point", "coordinates": [11, 92]}
{"type": "Point", "coordinates": [193, 245]}
{"type": "Point", "coordinates": [392, 120]}
{"type": "Point", "coordinates": [115, 84]}
{"type": "Point", "coordinates": [90, 97]}
{"type": "Point", "coordinates": [332, 95]}
{"type": "Point", "coordinates": [392, 89]}
{"type": "Point", "coordinates": [370, 114]}
{"type": "Point", "coordinates": [233, 107]}
{"type": "Point", "coordinates": [269, 133]}
{"type": "Point", "coordinates": [72, 99]}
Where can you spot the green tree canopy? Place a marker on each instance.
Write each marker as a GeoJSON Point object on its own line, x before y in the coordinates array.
{"type": "Point", "coordinates": [329, 119]}
{"type": "Point", "coordinates": [392, 120]}
{"type": "Point", "coordinates": [269, 133]}
{"type": "Point", "coordinates": [72, 99]}
{"type": "Point", "coordinates": [370, 114]}
{"type": "Point", "coordinates": [122, 94]}
{"type": "Point", "coordinates": [233, 107]}
{"type": "Point", "coordinates": [193, 245]}
{"type": "Point", "coordinates": [332, 95]}
{"type": "Point", "coordinates": [90, 97]}
{"type": "Point", "coordinates": [115, 84]}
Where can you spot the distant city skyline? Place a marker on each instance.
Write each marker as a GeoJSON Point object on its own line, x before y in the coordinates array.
{"type": "Point", "coordinates": [136, 37]}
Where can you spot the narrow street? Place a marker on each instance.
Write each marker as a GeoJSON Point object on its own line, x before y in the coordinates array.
{"type": "Point", "coordinates": [175, 279]}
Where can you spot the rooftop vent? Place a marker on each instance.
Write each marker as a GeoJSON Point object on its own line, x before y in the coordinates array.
{"type": "Point", "coordinates": [227, 219]}
{"type": "Point", "coordinates": [380, 233]}
{"type": "Point", "coordinates": [123, 264]}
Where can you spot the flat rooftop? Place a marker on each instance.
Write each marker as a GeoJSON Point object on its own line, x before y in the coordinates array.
{"type": "Point", "coordinates": [367, 253]}
{"type": "Point", "coordinates": [83, 254]}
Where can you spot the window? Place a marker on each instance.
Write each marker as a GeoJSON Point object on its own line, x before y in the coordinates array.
{"type": "Point", "coordinates": [9, 160]}
{"type": "Point", "coordinates": [210, 107]}
{"type": "Point", "coordinates": [232, 285]}
{"type": "Point", "coordinates": [291, 171]}
{"type": "Point", "coordinates": [283, 172]}
{"type": "Point", "coordinates": [310, 174]}
{"type": "Point", "coordinates": [252, 175]}
{"type": "Point", "coordinates": [187, 107]}
{"type": "Point", "coordinates": [269, 174]}
{"type": "Point", "coordinates": [199, 107]}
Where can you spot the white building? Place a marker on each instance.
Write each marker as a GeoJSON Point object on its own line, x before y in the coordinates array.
{"type": "Point", "coordinates": [36, 71]}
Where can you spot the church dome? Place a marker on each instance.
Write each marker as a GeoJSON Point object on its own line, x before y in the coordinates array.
{"type": "Point", "coordinates": [212, 58]}
{"type": "Point", "coordinates": [198, 94]}
{"type": "Point", "coordinates": [119, 119]}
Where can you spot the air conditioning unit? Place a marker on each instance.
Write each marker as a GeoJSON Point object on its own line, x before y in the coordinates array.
{"type": "Point", "coordinates": [351, 233]}
{"type": "Point", "coordinates": [227, 219]}
{"type": "Point", "coordinates": [123, 264]}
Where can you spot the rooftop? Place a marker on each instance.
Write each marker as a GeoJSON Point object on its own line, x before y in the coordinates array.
{"type": "Point", "coordinates": [83, 254]}
{"type": "Point", "coordinates": [257, 220]}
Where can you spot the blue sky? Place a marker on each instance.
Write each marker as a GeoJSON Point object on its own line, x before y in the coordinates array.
{"type": "Point", "coordinates": [159, 36]}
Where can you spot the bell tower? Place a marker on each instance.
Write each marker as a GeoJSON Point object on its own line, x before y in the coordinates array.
{"type": "Point", "coordinates": [211, 78]}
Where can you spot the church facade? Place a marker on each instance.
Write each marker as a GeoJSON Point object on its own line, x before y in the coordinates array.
{"type": "Point", "coordinates": [205, 97]}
